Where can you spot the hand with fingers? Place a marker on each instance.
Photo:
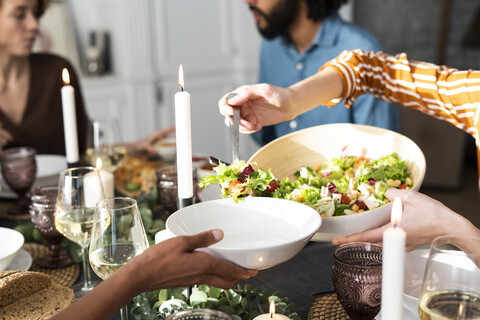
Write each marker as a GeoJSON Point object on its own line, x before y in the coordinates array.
{"type": "Point", "coordinates": [169, 264]}
{"type": "Point", "coordinates": [423, 219]}
{"type": "Point", "coordinates": [260, 105]}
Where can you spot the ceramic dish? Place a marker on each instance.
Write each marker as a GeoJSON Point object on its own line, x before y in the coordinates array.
{"type": "Point", "coordinates": [21, 262]}
{"type": "Point", "coordinates": [11, 241]}
{"type": "Point", "coordinates": [317, 145]}
{"type": "Point", "coordinates": [259, 232]}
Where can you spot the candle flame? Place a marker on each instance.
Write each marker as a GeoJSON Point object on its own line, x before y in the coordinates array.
{"type": "Point", "coordinates": [99, 163]}
{"type": "Point", "coordinates": [65, 76]}
{"type": "Point", "coordinates": [396, 212]}
{"type": "Point", "coordinates": [272, 309]}
{"type": "Point", "coordinates": [181, 83]}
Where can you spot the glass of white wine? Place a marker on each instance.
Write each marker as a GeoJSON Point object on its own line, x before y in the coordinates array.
{"type": "Point", "coordinates": [118, 235]}
{"type": "Point", "coordinates": [451, 284]}
{"type": "Point", "coordinates": [105, 142]}
{"type": "Point", "coordinates": [79, 190]}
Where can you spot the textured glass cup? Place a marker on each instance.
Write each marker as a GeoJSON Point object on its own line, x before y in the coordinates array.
{"type": "Point", "coordinates": [451, 284]}
{"type": "Point", "coordinates": [168, 189]}
{"type": "Point", "coordinates": [357, 279]}
{"type": "Point", "coordinates": [42, 213]}
{"type": "Point", "coordinates": [19, 169]}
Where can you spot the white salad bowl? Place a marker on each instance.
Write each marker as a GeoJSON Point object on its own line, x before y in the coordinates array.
{"type": "Point", "coordinates": [11, 241]}
{"type": "Point", "coordinates": [317, 145]}
{"type": "Point", "coordinates": [259, 233]}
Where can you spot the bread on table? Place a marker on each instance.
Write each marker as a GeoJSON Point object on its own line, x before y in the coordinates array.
{"type": "Point", "coordinates": [31, 295]}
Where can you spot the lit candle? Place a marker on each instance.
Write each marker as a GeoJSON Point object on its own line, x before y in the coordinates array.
{"type": "Point", "coordinates": [271, 315]}
{"type": "Point", "coordinates": [184, 144]}
{"type": "Point", "coordinates": [108, 180]}
{"type": "Point", "coordinates": [393, 261]}
{"type": "Point", "coordinates": [69, 121]}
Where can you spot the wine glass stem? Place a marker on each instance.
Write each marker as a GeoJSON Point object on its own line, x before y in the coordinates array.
{"type": "Point", "coordinates": [86, 268]}
{"type": "Point", "coordinates": [124, 313]}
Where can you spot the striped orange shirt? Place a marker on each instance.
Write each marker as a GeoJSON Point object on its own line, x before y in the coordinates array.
{"type": "Point", "coordinates": [445, 93]}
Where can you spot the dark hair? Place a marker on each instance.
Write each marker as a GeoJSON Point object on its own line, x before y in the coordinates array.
{"type": "Point", "coordinates": [320, 9]}
{"type": "Point", "coordinates": [42, 6]}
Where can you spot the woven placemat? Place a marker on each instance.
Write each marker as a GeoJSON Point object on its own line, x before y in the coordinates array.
{"type": "Point", "coordinates": [327, 307]}
{"type": "Point", "coordinates": [4, 205]}
{"type": "Point", "coordinates": [65, 276]}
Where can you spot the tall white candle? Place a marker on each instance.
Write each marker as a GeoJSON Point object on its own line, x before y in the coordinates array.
{"type": "Point", "coordinates": [69, 119]}
{"type": "Point", "coordinates": [393, 262]}
{"type": "Point", "coordinates": [184, 140]}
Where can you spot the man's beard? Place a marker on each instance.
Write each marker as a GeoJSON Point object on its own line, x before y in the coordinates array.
{"type": "Point", "coordinates": [279, 19]}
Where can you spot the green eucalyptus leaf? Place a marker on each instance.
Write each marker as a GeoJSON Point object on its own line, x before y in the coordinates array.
{"type": "Point", "coordinates": [214, 292]}
{"type": "Point", "coordinates": [274, 299]}
{"type": "Point", "coordinates": [236, 300]}
{"type": "Point", "coordinates": [236, 317]}
{"type": "Point", "coordinates": [224, 301]}
{"type": "Point", "coordinates": [205, 288]}
{"type": "Point", "coordinates": [198, 297]}
{"type": "Point", "coordinates": [244, 303]}
{"type": "Point", "coordinates": [227, 309]}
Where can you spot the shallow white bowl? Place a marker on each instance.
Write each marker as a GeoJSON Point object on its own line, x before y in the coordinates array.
{"type": "Point", "coordinates": [11, 241]}
{"type": "Point", "coordinates": [167, 149]}
{"type": "Point", "coordinates": [259, 232]}
{"type": "Point", "coordinates": [49, 167]}
{"type": "Point", "coordinates": [317, 145]}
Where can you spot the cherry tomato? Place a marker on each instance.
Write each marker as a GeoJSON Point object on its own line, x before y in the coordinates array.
{"type": "Point", "coordinates": [272, 186]}
{"type": "Point", "coordinates": [232, 185]}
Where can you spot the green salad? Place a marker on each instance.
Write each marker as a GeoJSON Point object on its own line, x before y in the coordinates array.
{"type": "Point", "coordinates": [343, 186]}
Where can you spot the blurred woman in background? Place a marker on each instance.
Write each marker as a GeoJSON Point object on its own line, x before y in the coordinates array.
{"type": "Point", "coordinates": [30, 87]}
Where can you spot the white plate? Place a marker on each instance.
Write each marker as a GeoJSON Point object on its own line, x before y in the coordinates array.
{"type": "Point", "coordinates": [21, 262]}
{"type": "Point", "coordinates": [49, 167]}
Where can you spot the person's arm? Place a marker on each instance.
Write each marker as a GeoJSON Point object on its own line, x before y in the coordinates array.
{"type": "Point", "coordinates": [170, 264]}
{"type": "Point", "coordinates": [264, 104]}
{"type": "Point", "coordinates": [146, 146]}
{"type": "Point", "coordinates": [421, 225]}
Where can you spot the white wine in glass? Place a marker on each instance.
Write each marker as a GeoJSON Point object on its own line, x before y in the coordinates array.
{"type": "Point", "coordinates": [118, 235]}
{"type": "Point", "coordinates": [451, 284]}
{"type": "Point", "coordinates": [79, 190]}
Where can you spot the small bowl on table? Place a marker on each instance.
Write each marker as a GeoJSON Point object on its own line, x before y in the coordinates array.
{"type": "Point", "coordinates": [317, 145]}
{"type": "Point", "coordinates": [167, 149]}
{"type": "Point", "coordinates": [259, 233]}
{"type": "Point", "coordinates": [11, 241]}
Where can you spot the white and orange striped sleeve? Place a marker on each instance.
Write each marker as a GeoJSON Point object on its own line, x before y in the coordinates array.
{"type": "Point", "coordinates": [445, 93]}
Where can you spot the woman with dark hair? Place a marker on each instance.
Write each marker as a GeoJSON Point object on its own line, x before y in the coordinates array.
{"type": "Point", "coordinates": [300, 36]}
{"type": "Point", "coordinates": [30, 87]}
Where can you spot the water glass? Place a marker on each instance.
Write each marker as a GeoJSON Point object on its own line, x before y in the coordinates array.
{"type": "Point", "coordinates": [42, 214]}
{"type": "Point", "coordinates": [357, 279]}
{"type": "Point", "coordinates": [19, 169]}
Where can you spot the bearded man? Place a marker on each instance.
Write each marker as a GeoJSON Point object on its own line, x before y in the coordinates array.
{"type": "Point", "coordinates": [299, 37]}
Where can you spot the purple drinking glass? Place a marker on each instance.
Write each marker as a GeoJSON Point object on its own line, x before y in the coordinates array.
{"type": "Point", "coordinates": [42, 214]}
{"type": "Point", "coordinates": [19, 169]}
{"type": "Point", "coordinates": [167, 186]}
{"type": "Point", "coordinates": [357, 279]}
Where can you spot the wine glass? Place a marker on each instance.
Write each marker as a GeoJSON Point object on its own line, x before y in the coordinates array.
{"type": "Point", "coordinates": [79, 190]}
{"type": "Point", "coordinates": [105, 142]}
{"type": "Point", "coordinates": [19, 169]}
{"type": "Point", "coordinates": [357, 279]}
{"type": "Point", "coordinates": [451, 284]}
{"type": "Point", "coordinates": [42, 214]}
{"type": "Point", "coordinates": [118, 235]}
